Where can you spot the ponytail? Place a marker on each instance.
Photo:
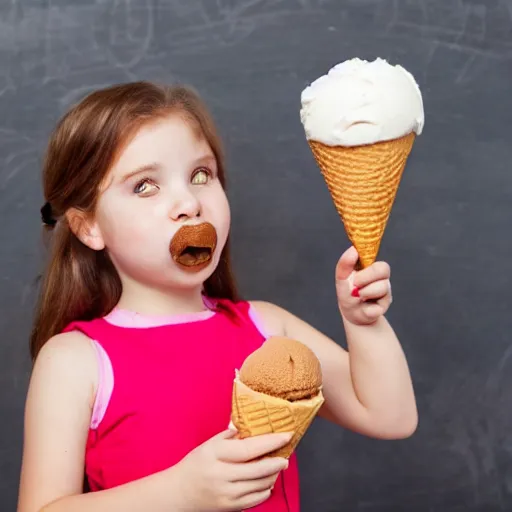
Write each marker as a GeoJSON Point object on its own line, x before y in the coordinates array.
{"type": "Point", "coordinates": [78, 284]}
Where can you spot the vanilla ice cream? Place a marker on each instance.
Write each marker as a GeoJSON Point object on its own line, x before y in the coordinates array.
{"type": "Point", "coordinates": [359, 102]}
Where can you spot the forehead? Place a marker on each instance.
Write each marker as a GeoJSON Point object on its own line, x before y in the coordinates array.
{"type": "Point", "coordinates": [171, 139]}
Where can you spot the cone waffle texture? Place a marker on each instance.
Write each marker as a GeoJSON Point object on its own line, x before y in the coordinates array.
{"type": "Point", "coordinates": [256, 413]}
{"type": "Point", "coordinates": [363, 182]}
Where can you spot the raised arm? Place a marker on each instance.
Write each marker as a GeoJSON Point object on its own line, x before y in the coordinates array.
{"type": "Point", "coordinates": [368, 389]}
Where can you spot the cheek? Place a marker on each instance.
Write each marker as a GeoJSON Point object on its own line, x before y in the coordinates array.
{"type": "Point", "coordinates": [115, 234]}
{"type": "Point", "coordinates": [122, 227]}
{"type": "Point", "coordinates": [222, 219]}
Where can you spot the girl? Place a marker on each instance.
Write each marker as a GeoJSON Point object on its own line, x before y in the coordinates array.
{"type": "Point", "coordinates": [139, 326]}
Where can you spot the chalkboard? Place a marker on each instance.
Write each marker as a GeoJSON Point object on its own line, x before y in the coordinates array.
{"type": "Point", "coordinates": [446, 241]}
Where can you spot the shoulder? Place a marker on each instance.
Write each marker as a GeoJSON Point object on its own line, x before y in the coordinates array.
{"type": "Point", "coordinates": [57, 419]}
{"type": "Point", "coordinates": [272, 315]}
{"type": "Point", "coordinates": [67, 359]}
{"type": "Point", "coordinates": [69, 347]}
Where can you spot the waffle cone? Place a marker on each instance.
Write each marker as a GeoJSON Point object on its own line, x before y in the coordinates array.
{"type": "Point", "coordinates": [363, 182]}
{"type": "Point", "coordinates": [255, 413]}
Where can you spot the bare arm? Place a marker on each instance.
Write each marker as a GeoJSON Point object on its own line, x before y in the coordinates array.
{"type": "Point", "coordinates": [57, 416]}
{"type": "Point", "coordinates": [368, 389]}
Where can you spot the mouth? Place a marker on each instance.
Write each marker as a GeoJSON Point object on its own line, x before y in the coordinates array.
{"type": "Point", "coordinates": [193, 255]}
{"type": "Point", "coordinates": [192, 247]}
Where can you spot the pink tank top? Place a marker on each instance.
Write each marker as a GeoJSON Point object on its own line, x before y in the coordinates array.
{"type": "Point", "coordinates": [165, 387]}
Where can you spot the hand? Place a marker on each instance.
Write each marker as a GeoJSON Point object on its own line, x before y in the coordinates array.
{"type": "Point", "coordinates": [221, 474]}
{"type": "Point", "coordinates": [364, 295]}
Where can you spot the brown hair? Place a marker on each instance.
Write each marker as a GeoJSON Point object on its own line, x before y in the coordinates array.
{"type": "Point", "coordinates": [80, 283]}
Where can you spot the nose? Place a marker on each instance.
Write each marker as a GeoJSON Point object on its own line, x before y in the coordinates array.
{"type": "Point", "coordinates": [185, 206]}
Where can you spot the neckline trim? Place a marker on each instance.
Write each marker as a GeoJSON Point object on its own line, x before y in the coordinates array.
{"type": "Point", "coordinates": [127, 318]}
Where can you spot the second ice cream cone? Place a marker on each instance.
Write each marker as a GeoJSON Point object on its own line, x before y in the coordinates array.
{"type": "Point", "coordinates": [255, 413]}
{"type": "Point", "coordinates": [363, 182]}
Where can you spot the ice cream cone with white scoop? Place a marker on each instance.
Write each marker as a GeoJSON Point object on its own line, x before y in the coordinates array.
{"type": "Point", "coordinates": [361, 120]}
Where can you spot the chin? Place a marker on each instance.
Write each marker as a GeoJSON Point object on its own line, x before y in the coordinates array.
{"type": "Point", "coordinates": [192, 277]}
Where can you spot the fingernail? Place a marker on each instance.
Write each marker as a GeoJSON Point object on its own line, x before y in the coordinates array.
{"type": "Point", "coordinates": [355, 292]}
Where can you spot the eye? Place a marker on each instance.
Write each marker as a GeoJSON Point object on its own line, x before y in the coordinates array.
{"type": "Point", "coordinates": [201, 176]}
{"type": "Point", "coordinates": [145, 188]}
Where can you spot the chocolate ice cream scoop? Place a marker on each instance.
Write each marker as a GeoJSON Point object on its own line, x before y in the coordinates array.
{"type": "Point", "coordinates": [283, 368]}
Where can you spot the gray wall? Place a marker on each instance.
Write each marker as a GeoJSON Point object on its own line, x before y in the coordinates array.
{"type": "Point", "coordinates": [447, 241]}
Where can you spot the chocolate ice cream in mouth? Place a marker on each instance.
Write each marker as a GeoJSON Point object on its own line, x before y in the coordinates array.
{"type": "Point", "coordinates": [192, 246]}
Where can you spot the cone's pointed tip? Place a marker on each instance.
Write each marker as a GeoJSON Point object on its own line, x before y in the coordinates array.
{"type": "Point", "coordinates": [367, 253]}
{"type": "Point", "coordinates": [366, 260]}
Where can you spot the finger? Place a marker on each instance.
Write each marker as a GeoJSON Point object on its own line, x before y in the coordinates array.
{"type": "Point", "coordinates": [229, 433]}
{"type": "Point", "coordinates": [251, 500]}
{"type": "Point", "coordinates": [346, 264]}
{"type": "Point", "coordinates": [376, 290]}
{"type": "Point", "coordinates": [373, 311]}
{"type": "Point", "coordinates": [255, 470]}
{"type": "Point", "coordinates": [254, 486]}
{"type": "Point", "coordinates": [243, 450]}
{"type": "Point", "coordinates": [375, 272]}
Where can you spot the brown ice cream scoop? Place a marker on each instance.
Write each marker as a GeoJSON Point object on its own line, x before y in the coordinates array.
{"type": "Point", "coordinates": [283, 368]}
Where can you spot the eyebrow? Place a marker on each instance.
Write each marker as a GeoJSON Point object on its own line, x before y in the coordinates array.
{"type": "Point", "coordinates": [208, 157]}
{"type": "Point", "coordinates": [142, 169]}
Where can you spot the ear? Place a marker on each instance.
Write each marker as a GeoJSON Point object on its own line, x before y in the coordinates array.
{"type": "Point", "coordinates": [86, 229]}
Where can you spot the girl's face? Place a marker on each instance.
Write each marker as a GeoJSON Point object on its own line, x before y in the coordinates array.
{"type": "Point", "coordinates": [165, 178]}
